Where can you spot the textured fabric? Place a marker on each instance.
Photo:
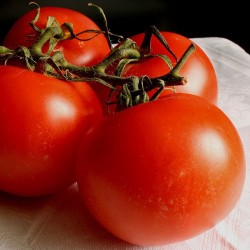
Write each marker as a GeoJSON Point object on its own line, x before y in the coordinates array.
{"type": "Point", "coordinates": [60, 222]}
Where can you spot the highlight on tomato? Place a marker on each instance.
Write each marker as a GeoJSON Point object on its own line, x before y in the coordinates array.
{"type": "Point", "coordinates": [42, 119]}
{"type": "Point", "coordinates": [163, 171]}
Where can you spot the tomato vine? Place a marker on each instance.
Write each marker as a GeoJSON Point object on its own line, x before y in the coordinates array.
{"type": "Point", "coordinates": [132, 90]}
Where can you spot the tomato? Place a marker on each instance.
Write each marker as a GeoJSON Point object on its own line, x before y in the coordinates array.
{"type": "Point", "coordinates": [163, 171]}
{"type": "Point", "coordinates": [198, 69]}
{"type": "Point", "coordinates": [42, 119]}
{"type": "Point", "coordinates": [77, 52]}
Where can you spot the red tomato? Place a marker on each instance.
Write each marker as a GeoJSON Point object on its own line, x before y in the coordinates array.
{"type": "Point", "coordinates": [42, 119]}
{"type": "Point", "coordinates": [198, 69]}
{"type": "Point", "coordinates": [163, 171]}
{"type": "Point", "coordinates": [76, 52]}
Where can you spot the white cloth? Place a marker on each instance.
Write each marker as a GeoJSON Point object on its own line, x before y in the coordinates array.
{"type": "Point", "coordinates": [61, 222]}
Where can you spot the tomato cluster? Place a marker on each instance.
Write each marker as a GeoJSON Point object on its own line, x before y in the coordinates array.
{"type": "Point", "coordinates": [135, 125]}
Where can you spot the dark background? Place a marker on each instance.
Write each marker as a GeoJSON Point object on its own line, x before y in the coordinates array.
{"type": "Point", "coordinates": [128, 17]}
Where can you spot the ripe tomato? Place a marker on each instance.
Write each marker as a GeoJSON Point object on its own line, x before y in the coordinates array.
{"type": "Point", "coordinates": [163, 171]}
{"type": "Point", "coordinates": [198, 69]}
{"type": "Point", "coordinates": [42, 119]}
{"type": "Point", "coordinates": [77, 52]}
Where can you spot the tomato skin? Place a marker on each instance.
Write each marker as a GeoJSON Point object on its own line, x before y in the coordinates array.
{"type": "Point", "coordinates": [166, 171]}
{"type": "Point", "coordinates": [198, 69]}
{"type": "Point", "coordinates": [77, 52]}
{"type": "Point", "coordinates": [42, 119]}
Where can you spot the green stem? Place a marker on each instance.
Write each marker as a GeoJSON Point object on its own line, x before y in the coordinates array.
{"type": "Point", "coordinates": [4, 51]}
{"type": "Point", "coordinates": [183, 59]}
{"type": "Point", "coordinates": [49, 33]}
